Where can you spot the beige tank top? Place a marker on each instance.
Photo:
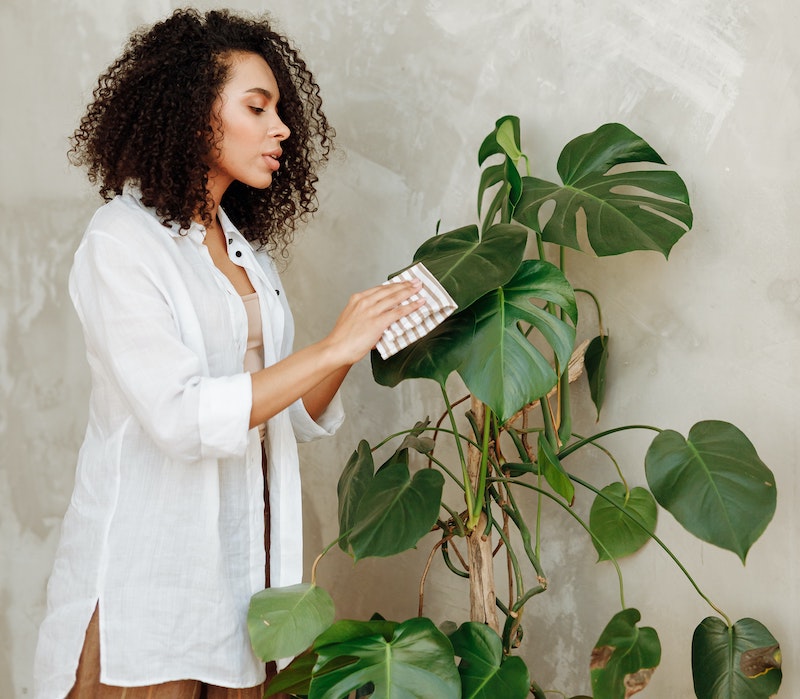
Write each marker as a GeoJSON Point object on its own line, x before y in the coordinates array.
{"type": "Point", "coordinates": [254, 354]}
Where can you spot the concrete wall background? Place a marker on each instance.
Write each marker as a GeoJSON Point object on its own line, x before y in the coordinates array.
{"type": "Point", "coordinates": [412, 87]}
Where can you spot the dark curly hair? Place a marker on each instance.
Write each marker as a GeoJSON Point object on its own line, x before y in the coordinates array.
{"type": "Point", "coordinates": [151, 122]}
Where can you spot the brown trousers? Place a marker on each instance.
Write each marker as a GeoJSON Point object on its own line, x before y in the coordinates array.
{"type": "Point", "coordinates": [88, 686]}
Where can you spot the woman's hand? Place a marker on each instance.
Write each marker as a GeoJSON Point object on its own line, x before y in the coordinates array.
{"type": "Point", "coordinates": [365, 317]}
{"type": "Point", "coordinates": [316, 372]}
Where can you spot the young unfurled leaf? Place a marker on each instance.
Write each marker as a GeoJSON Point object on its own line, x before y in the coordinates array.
{"type": "Point", "coordinates": [595, 361]}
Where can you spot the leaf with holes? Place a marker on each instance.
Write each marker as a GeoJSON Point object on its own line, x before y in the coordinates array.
{"type": "Point", "coordinates": [503, 368]}
{"type": "Point", "coordinates": [415, 662]}
{"type": "Point", "coordinates": [623, 210]}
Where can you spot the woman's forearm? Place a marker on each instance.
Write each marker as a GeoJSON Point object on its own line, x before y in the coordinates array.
{"type": "Point", "coordinates": [316, 372]}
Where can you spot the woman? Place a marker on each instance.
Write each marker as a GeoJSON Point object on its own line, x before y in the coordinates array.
{"type": "Point", "coordinates": [204, 137]}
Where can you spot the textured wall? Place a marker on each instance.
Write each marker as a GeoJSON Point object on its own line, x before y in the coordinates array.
{"type": "Point", "coordinates": [412, 87]}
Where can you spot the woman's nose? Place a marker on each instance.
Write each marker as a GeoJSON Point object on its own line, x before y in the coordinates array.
{"type": "Point", "coordinates": [279, 130]}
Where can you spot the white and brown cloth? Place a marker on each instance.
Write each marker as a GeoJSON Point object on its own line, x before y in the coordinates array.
{"type": "Point", "coordinates": [438, 306]}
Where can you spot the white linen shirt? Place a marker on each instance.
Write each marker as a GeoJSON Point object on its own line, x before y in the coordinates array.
{"type": "Point", "coordinates": [165, 528]}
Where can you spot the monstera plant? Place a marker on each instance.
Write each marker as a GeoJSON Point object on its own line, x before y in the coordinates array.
{"type": "Point", "coordinates": [513, 344]}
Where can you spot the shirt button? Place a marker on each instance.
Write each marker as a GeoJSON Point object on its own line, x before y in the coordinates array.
{"type": "Point", "coordinates": [230, 240]}
{"type": "Point", "coordinates": [238, 253]}
{"type": "Point", "coordinates": [278, 292]}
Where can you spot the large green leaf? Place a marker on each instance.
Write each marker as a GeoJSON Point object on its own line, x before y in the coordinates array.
{"type": "Point", "coordinates": [503, 368]}
{"type": "Point", "coordinates": [468, 265]}
{"type": "Point", "coordinates": [625, 657]}
{"type": "Point", "coordinates": [416, 662]}
{"type": "Point", "coordinates": [624, 211]}
{"type": "Point", "coordinates": [713, 483]}
{"type": "Point", "coordinates": [613, 520]}
{"type": "Point", "coordinates": [396, 511]}
{"type": "Point", "coordinates": [485, 672]}
{"type": "Point", "coordinates": [353, 483]}
{"type": "Point", "coordinates": [740, 662]}
{"type": "Point", "coordinates": [435, 356]}
{"type": "Point", "coordinates": [283, 621]}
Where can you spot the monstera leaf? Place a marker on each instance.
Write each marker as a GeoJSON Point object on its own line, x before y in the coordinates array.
{"type": "Point", "coordinates": [435, 356]}
{"type": "Point", "coordinates": [413, 660]}
{"type": "Point", "coordinates": [713, 483]}
{"type": "Point", "coordinates": [502, 367]}
{"type": "Point", "coordinates": [614, 516]}
{"type": "Point", "coordinates": [625, 657]}
{"type": "Point", "coordinates": [283, 621]}
{"type": "Point", "coordinates": [743, 661]}
{"type": "Point", "coordinates": [396, 511]}
{"type": "Point", "coordinates": [468, 265]}
{"type": "Point", "coordinates": [485, 672]}
{"type": "Point", "coordinates": [624, 208]}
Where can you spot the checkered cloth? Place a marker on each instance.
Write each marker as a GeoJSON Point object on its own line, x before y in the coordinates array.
{"type": "Point", "coordinates": [438, 306]}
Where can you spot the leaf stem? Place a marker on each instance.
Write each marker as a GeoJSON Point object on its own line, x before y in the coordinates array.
{"type": "Point", "coordinates": [458, 437]}
{"type": "Point", "coordinates": [570, 448]}
{"type": "Point", "coordinates": [479, 491]}
{"type": "Point", "coordinates": [324, 551]}
{"type": "Point", "coordinates": [575, 516]}
{"type": "Point", "coordinates": [655, 538]}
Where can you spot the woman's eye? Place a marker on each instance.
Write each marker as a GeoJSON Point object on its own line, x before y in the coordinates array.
{"type": "Point", "coordinates": [257, 110]}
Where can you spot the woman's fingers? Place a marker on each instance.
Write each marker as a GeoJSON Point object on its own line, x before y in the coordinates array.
{"type": "Point", "coordinates": [369, 313]}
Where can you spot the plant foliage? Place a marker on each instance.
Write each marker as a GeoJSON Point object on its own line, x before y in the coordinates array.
{"type": "Point", "coordinates": [514, 343]}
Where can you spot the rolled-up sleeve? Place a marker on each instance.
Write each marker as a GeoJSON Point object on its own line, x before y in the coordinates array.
{"type": "Point", "coordinates": [307, 430]}
{"type": "Point", "coordinates": [136, 348]}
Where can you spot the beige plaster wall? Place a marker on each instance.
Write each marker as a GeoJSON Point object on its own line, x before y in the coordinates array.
{"type": "Point", "coordinates": [412, 87]}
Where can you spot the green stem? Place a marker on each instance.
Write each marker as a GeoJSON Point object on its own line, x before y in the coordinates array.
{"type": "Point", "coordinates": [596, 305]}
{"type": "Point", "coordinates": [518, 579]}
{"type": "Point", "coordinates": [613, 461]}
{"type": "Point", "coordinates": [446, 470]}
{"type": "Point", "coordinates": [549, 423]}
{"type": "Point", "coordinates": [324, 551]}
{"type": "Point", "coordinates": [567, 450]}
{"type": "Point", "coordinates": [443, 430]}
{"type": "Point", "coordinates": [655, 538]}
{"type": "Point", "coordinates": [479, 492]}
{"type": "Point", "coordinates": [449, 563]}
{"type": "Point", "coordinates": [564, 409]}
{"type": "Point", "coordinates": [464, 470]}
{"type": "Point", "coordinates": [513, 512]}
{"type": "Point", "coordinates": [583, 524]}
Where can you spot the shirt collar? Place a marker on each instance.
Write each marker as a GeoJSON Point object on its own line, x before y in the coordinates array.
{"type": "Point", "coordinates": [196, 231]}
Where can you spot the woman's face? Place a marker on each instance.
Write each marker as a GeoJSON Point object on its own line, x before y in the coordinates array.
{"type": "Point", "coordinates": [250, 130]}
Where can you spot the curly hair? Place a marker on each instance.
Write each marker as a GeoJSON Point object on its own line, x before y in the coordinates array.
{"type": "Point", "coordinates": [150, 122]}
